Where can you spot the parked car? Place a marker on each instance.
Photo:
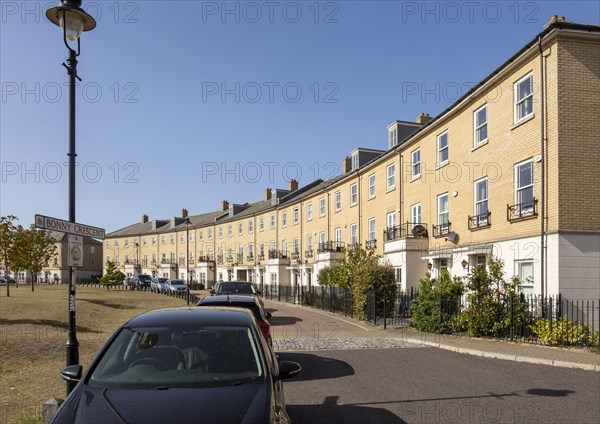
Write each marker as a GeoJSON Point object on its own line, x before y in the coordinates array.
{"type": "Point", "coordinates": [4, 279]}
{"type": "Point", "coordinates": [140, 281]}
{"type": "Point", "coordinates": [158, 283]}
{"type": "Point", "coordinates": [181, 366]}
{"type": "Point", "coordinates": [251, 303]}
{"type": "Point", "coordinates": [175, 286]}
{"type": "Point", "coordinates": [238, 288]}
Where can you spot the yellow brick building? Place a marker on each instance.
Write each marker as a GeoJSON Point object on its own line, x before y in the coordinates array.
{"type": "Point", "coordinates": [508, 171]}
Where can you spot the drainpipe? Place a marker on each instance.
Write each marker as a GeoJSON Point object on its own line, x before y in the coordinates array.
{"type": "Point", "coordinates": [543, 199]}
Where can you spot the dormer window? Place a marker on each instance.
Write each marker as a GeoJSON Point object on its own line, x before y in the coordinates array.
{"type": "Point", "coordinates": [392, 137]}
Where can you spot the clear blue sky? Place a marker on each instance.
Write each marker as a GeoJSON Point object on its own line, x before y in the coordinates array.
{"type": "Point", "coordinates": [187, 103]}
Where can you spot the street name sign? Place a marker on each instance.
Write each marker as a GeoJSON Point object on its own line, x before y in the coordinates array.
{"type": "Point", "coordinates": [54, 224]}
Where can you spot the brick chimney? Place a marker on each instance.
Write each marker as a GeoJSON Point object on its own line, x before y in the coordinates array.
{"type": "Point", "coordinates": [224, 205]}
{"type": "Point", "coordinates": [293, 185]}
{"type": "Point", "coordinates": [346, 165]}
{"type": "Point", "coordinates": [267, 193]}
{"type": "Point", "coordinates": [144, 219]}
{"type": "Point", "coordinates": [423, 118]}
{"type": "Point", "coordinates": [184, 213]}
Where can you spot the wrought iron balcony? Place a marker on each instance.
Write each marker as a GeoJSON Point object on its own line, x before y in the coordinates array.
{"type": "Point", "coordinates": [371, 244]}
{"type": "Point", "coordinates": [276, 254]}
{"type": "Point", "coordinates": [406, 230]}
{"type": "Point", "coordinates": [522, 211]}
{"type": "Point", "coordinates": [480, 221]}
{"type": "Point", "coordinates": [261, 257]}
{"type": "Point", "coordinates": [229, 259]}
{"type": "Point", "coordinates": [144, 262]}
{"type": "Point", "coordinates": [250, 258]}
{"type": "Point", "coordinates": [296, 255]}
{"type": "Point", "coordinates": [441, 230]}
{"type": "Point", "coordinates": [331, 246]}
{"type": "Point", "coordinates": [308, 253]}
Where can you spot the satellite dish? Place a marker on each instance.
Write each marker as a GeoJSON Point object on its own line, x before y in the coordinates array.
{"type": "Point", "coordinates": [452, 236]}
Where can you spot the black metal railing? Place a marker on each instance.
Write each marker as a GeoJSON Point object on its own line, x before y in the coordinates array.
{"type": "Point", "coordinates": [477, 222]}
{"type": "Point", "coordinates": [229, 259]}
{"type": "Point", "coordinates": [250, 258]}
{"type": "Point", "coordinates": [295, 255]}
{"type": "Point", "coordinates": [276, 254]}
{"type": "Point", "coordinates": [441, 230]}
{"type": "Point", "coordinates": [406, 230]}
{"type": "Point", "coordinates": [522, 211]}
{"type": "Point", "coordinates": [261, 257]}
{"type": "Point", "coordinates": [371, 244]}
{"type": "Point", "coordinates": [308, 253]}
{"type": "Point", "coordinates": [331, 246]}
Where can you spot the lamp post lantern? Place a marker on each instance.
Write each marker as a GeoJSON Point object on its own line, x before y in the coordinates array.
{"type": "Point", "coordinates": [73, 20]}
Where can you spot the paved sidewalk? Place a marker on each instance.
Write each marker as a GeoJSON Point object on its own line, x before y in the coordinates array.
{"type": "Point", "coordinates": [490, 348]}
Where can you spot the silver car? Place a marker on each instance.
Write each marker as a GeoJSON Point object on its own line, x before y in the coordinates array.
{"type": "Point", "coordinates": [175, 286]}
{"type": "Point", "coordinates": [158, 283]}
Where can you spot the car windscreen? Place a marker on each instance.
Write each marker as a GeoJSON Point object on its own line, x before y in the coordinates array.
{"type": "Point", "coordinates": [250, 306]}
{"type": "Point", "coordinates": [181, 356]}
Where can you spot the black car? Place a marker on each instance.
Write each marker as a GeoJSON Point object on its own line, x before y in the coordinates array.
{"type": "Point", "coordinates": [244, 288]}
{"type": "Point", "coordinates": [141, 281]}
{"type": "Point", "coordinates": [208, 365]}
{"type": "Point", "coordinates": [247, 302]}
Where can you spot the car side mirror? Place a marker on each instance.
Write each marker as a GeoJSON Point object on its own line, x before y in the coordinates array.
{"type": "Point", "coordinates": [288, 369]}
{"type": "Point", "coordinates": [212, 291]}
{"type": "Point", "coordinates": [268, 315]}
{"type": "Point", "coordinates": [72, 373]}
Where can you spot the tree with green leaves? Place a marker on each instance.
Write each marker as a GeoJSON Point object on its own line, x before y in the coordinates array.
{"type": "Point", "coordinates": [33, 249]}
{"type": "Point", "coordinates": [112, 277]}
{"type": "Point", "coordinates": [7, 238]}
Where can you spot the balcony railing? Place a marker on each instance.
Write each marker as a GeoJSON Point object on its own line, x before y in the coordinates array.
{"type": "Point", "coordinates": [250, 258]}
{"type": "Point", "coordinates": [522, 211]}
{"type": "Point", "coordinates": [406, 230]}
{"type": "Point", "coordinates": [276, 254]}
{"type": "Point", "coordinates": [229, 259]}
{"type": "Point", "coordinates": [261, 257]}
{"type": "Point", "coordinates": [441, 230]}
{"type": "Point", "coordinates": [480, 221]}
{"type": "Point", "coordinates": [331, 246]}
{"type": "Point", "coordinates": [296, 255]}
{"type": "Point", "coordinates": [371, 244]}
{"type": "Point", "coordinates": [308, 253]}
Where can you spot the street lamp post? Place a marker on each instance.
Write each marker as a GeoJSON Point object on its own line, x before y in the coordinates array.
{"type": "Point", "coordinates": [187, 259]}
{"type": "Point", "coordinates": [73, 21]}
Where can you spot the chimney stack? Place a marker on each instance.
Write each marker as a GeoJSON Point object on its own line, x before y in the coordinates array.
{"type": "Point", "coordinates": [224, 205]}
{"type": "Point", "coordinates": [184, 213]}
{"type": "Point", "coordinates": [293, 185]}
{"type": "Point", "coordinates": [423, 118]}
{"type": "Point", "coordinates": [144, 219]}
{"type": "Point", "coordinates": [346, 165]}
{"type": "Point", "coordinates": [267, 193]}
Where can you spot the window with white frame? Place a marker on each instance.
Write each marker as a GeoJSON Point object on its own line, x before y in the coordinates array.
{"type": "Point", "coordinates": [144, 242]}
{"type": "Point", "coordinates": [523, 95]}
{"type": "Point", "coordinates": [355, 161]}
{"type": "Point", "coordinates": [371, 186]}
{"type": "Point", "coordinates": [525, 274]}
{"type": "Point", "coordinates": [250, 226]}
{"type": "Point", "coordinates": [272, 220]}
{"type": "Point", "coordinates": [322, 238]}
{"type": "Point", "coordinates": [163, 240]}
{"type": "Point", "coordinates": [210, 233]}
{"type": "Point", "coordinates": [338, 201]}
{"type": "Point", "coordinates": [372, 228]}
{"type": "Point", "coordinates": [309, 242]}
{"type": "Point", "coordinates": [442, 148]}
{"type": "Point", "coordinates": [261, 249]}
{"type": "Point", "coordinates": [415, 214]}
{"type": "Point", "coordinates": [192, 237]}
{"type": "Point", "coordinates": [392, 137]}
{"type": "Point", "coordinates": [261, 224]}
{"type": "Point", "coordinates": [296, 245]}
{"type": "Point", "coordinates": [443, 212]}
{"type": "Point", "coordinates": [322, 206]}
{"type": "Point", "coordinates": [353, 194]}
{"type": "Point", "coordinates": [251, 250]}
{"type": "Point", "coordinates": [284, 248]}
{"type": "Point", "coordinates": [211, 254]}
{"type": "Point", "coordinates": [126, 244]}
{"type": "Point", "coordinates": [309, 211]}
{"type": "Point", "coordinates": [220, 232]}
{"type": "Point", "coordinates": [480, 122]}
{"type": "Point", "coordinates": [284, 219]}
{"type": "Point", "coordinates": [353, 234]}
{"type": "Point", "coordinates": [201, 235]}
{"type": "Point", "coordinates": [416, 163]}
{"type": "Point", "coordinates": [296, 215]}
{"type": "Point", "coordinates": [391, 220]}
{"type": "Point", "coordinates": [181, 238]}
{"type": "Point", "coordinates": [524, 186]}
{"type": "Point", "coordinates": [153, 241]}
{"type": "Point", "coordinates": [108, 244]}
{"type": "Point", "coordinates": [274, 278]}
{"type": "Point", "coordinates": [240, 228]}
{"type": "Point", "coordinates": [172, 239]}
{"type": "Point", "coordinates": [338, 237]}
{"type": "Point", "coordinates": [481, 200]}
{"type": "Point", "coordinates": [391, 176]}
{"type": "Point", "coordinates": [398, 274]}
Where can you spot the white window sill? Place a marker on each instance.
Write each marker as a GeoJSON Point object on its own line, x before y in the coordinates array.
{"type": "Point", "coordinates": [441, 165]}
{"type": "Point", "coordinates": [522, 121]}
{"type": "Point", "coordinates": [479, 145]}
{"type": "Point", "coordinates": [389, 189]}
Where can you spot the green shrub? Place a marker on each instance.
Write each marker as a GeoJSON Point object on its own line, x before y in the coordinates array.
{"type": "Point", "coordinates": [564, 332]}
{"type": "Point", "coordinates": [435, 308]}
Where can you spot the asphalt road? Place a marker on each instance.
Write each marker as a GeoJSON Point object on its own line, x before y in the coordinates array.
{"type": "Point", "coordinates": [422, 384]}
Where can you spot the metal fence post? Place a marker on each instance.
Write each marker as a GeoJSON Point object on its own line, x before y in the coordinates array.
{"type": "Point", "coordinates": [384, 310]}
{"type": "Point", "coordinates": [512, 319]}
{"type": "Point", "coordinates": [440, 312]}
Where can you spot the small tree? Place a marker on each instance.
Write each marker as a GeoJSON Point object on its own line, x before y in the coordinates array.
{"type": "Point", "coordinates": [112, 277]}
{"type": "Point", "coordinates": [7, 238]}
{"type": "Point", "coordinates": [33, 249]}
